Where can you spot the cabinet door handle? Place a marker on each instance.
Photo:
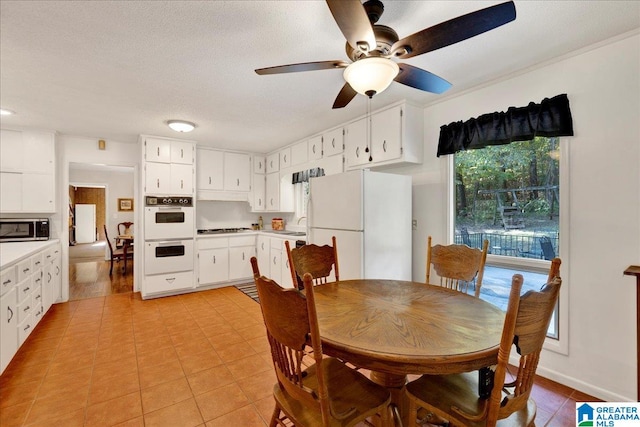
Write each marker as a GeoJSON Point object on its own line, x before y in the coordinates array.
{"type": "Point", "coordinates": [263, 246]}
{"type": "Point", "coordinates": [384, 145]}
{"type": "Point", "coordinates": [182, 153]}
{"type": "Point", "coordinates": [27, 308]}
{"type": "Point", "coordinates": [285, 158]}
{"type": "Point", "coordinates": [243, 256]}
{"type": "Point", "coordinates": [26, 289]}
{"type": "Point", "coordinates": [357, 151]}
{"type": "Point", "coordinates": [333, 143]}
{"type": "Point", "coordinates": [259, 201]}
{"type": "Point", "coordinates": [237, 182]}
{"type": "Point", "coordinates": [26, 270]}
{"type": "Point", "coordinates": [181, 184]}
{"type": "Point", "coordinates": [313, 148]}
{"type": "Point", "coordinates": [9, 314]}
{"type": "Point", "coordinates": [6, 282]}
{"type": "Point", "coordinates": [49, 279]}
{"type": "Point", "coordinates": [214, 259]}
{"type": "Point", "coordinates": [57, 270]}
{"type": "Point", "coordinates": [209, 180]}
{"type": "Point", "coordinates": [259, 165]}
{"type": "Point", "coordinates": [158, 182]}
{"type": "Point", "coordinates": [158, 151]}
{"type": "Point", "coordinates": [271, 164]}
{"type": "Point", "coordinates": [274, 260]}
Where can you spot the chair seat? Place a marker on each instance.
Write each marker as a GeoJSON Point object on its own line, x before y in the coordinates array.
{"type": "Point", "coordinates": [347, 389]}
{"type": "Point", "coordinates": [461, 390]}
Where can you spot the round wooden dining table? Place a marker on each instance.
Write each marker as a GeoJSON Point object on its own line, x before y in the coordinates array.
{"type": "Point", "coordinates": [395, 328]}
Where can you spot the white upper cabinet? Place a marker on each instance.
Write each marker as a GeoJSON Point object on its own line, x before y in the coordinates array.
{"type": "Point", "coordinates": [237, 172]}
{"type": "Point", "coordinates": [285, 158]}
{"type": "Point", "coordinates": [182, 152]}
{"type": "Point", "coordinates": [356, 142]}
{"type": "Point", "coordinates": [315, 147]}
{"type": "Point", "coordinates": [27, 172]}
{"type": "Point", "coordinates": [168, 151]}
{"type": "Point", "coordinates": [168, 166]}
{"type": "Point", "coordinates": [332, 142]}
{"type": "Point", "coordinates": [386, 135]}
{"type": "Point", "coordinates": [157, 150]}
{"type": "Point", "coordinates": [396, 136]}
{"type": "Point", "coordinates": [210, 169]}
{"type": "Point", "coordinates": [299, 153]}
{"type": "Point", "coordinates": [273, 162]}
{"type": "Point", "coordinates": [259, 164]}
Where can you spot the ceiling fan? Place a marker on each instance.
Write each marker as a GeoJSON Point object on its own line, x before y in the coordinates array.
{"type": "Point", "coordinates": [371, 46]}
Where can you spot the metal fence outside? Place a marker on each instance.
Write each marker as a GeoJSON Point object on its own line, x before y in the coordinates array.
{"type": "Point", "coordinates": [542, 246]}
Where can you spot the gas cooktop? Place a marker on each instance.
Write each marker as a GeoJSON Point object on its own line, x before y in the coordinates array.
{"type": "Point", "coordinates": [222, 230]}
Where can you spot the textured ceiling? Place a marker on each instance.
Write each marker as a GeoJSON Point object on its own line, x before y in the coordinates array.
{"type": "Point", "coordinates": [117, 69]}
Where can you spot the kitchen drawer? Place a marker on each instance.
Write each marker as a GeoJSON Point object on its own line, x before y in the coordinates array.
{"type": "Point", "coordinates": [25, 288]}
{"type": "Point", "coordinates": [37, 262]}
{"type": "Point", "coordinates": [36, 297]}
{"type": "Point", "coordinates": [24, 269]}
{"type": "Point", "coordinates": [242, 241]}
{"type": "Point", "coordinates": [161, 283]}
{"type": "Point", "coordinates": [24, 309]}
{"type": "Point", "coordinates": [38, 312]}
{"type": "Point", "coordinates": [25, 328]}
{"type": "Point", "coordinates": [7, 279]}
{"type": "Point", "coordinates": [212, 242]}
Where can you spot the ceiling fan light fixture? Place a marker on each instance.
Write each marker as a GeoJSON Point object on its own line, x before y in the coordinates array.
{"type": "Point", "coordinates": [372, 75]}
{"type": "Point", "coordinates": [181, 125]}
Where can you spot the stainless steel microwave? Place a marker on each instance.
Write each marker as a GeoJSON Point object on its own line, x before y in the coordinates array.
{"type": "Point", "coordinates": [20, 230]}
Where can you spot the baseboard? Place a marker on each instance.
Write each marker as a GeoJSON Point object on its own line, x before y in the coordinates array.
{"type": "Point", "coordinates": [582, 386]}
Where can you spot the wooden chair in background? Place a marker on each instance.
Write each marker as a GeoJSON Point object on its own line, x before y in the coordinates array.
{"type": "Point", "coordinates": [457, 265]}
{"type": "Point", "coordinates": [328, 393]}
{"type": "Point", "coordinates": [124, 228]}
{"type": "Point", "coordinates": [455, 397]}
{"type": "Point", "coordinates": [117, 254]}
{"type": "Point", "coordinates": [315, 260]}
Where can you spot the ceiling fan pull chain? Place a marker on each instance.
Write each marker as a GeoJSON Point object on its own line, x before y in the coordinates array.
{"type": "Point", "coordinates": [366, 150]}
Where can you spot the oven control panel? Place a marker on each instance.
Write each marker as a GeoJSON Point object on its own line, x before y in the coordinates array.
{"type": "Point", "coordinates": [168, 201]}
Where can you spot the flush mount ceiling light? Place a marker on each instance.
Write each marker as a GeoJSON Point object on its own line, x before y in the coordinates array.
{"type": "Point", "coordinates": [181, 125]}
{"type": "Point", "coordinates": [369, 76]}
{"type": "Point", "coordinates": [5, 112]}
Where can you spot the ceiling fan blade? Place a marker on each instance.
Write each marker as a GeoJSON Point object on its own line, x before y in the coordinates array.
{"type": "Point", "coordinates": [354, 23]}
{"type": "Point", "coordinates": [421, 79]}
{"type": "Point", "coordinates": [347, 93]}
{"type": "Point", "coordinates": [304, 66]}
{"type": "Point", "coordinates": [454, 30]}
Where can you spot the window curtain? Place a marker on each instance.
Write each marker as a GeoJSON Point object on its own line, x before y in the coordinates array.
{"type": "Point", "coordinates": [551, 117]}
{"type": "Point", "coordinates": [303, 176]}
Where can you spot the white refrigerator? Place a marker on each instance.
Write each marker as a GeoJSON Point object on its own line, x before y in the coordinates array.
{"type": "Point", "coordinates": [85, 223]}
{"type": "Point", "coordinates": [370, 215]}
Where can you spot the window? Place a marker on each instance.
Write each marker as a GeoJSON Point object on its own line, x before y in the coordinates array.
{"type": "Point", "coordinates": [510, 196]}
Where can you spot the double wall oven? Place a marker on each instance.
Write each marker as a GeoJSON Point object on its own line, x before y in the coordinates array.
{"type": "Point", "coordinates": [169, 241]}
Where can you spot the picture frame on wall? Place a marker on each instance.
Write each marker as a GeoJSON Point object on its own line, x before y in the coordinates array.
{"type": "Point", "coordinates": [125, 205]}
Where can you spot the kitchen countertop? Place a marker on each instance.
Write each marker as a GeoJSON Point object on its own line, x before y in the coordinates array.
{"type": "Point", "coordinates": [285, 234]}
{"type": "Point", "coordinates": [13, 252]}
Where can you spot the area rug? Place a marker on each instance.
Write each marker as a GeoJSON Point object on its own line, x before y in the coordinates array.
{"type": "Point", "coordinates": [249, 289]}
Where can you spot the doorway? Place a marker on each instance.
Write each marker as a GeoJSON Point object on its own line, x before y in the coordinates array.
{"type": "Point", "coordinates": [94, 191]}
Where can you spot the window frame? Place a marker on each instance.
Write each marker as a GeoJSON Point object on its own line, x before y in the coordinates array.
{"type": "Point", "coordinates": [560, 344]}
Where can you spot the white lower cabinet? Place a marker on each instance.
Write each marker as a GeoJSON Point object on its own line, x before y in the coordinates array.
{"type": "Point", "coordinates": [28, 288]}
{"type": "Point", "coordinates": [8, 328]}
{"type": "Point", "coordinates": [273, 261]}
{"type": "Point", "coordinates": [172, 282]}
{"type": "Point", "coordinates": [224, 259]}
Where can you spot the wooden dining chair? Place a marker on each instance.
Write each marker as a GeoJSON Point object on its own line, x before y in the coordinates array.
{"type": "Point", "coordinates": [315, 260]}
{"type": "Point", "coordinates": [455, 398]}
{"type": "Point", "coordinates": [124, 228]}
{"type": "Point", "coordinates": [457, 265]}
{"type": "Point", "coordinates": [328, 393]}
{"type": "Point", "coordinates": [117, 254]}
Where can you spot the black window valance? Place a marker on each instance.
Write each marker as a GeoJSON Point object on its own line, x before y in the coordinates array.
{"type": "Point", "coordinates": [551, 117]}
{"type": "Point", "coordinates": [303, 176]}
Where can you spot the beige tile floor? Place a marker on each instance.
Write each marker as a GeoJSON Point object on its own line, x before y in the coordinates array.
{"type": "Point", "coordinates": [198, 359]}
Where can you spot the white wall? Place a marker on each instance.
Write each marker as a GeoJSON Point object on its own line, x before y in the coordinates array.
{"type": "Point", "coordinates": [603, 86]}
{"type": "Point", "coordinates": [72, 149]}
